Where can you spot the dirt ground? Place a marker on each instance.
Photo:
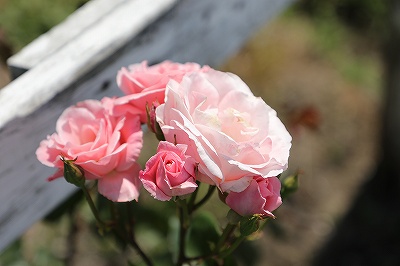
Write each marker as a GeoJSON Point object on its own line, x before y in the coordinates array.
{"type": "Point", "coordinates": [334, 124]}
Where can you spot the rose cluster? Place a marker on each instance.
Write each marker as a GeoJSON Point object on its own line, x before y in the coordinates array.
{"type": "Point", "coordinates": [213, 130]}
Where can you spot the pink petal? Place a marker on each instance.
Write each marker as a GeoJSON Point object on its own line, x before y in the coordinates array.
{"type": "Point", "coordinates": [121, 186]}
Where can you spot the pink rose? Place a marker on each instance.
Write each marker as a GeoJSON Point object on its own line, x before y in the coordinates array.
{"type": "Point", "coordinates": [230, 133]}
{"type": "Point", "coordinates": [105, 147]}
{"type": "Point", "coordinates": [146, 84]}
{"type": "Point", "coordinates": [262, 196]}
{"type": "Point", "coordinates": [169, 173]}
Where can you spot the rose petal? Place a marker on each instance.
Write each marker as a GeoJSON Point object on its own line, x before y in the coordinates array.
{"type": "Point", "coordinates": [121, 186]}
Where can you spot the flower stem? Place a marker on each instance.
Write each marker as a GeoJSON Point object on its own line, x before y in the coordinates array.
{"type": "Point", "coordinates": [141, 253]}
{"type": "Point", "coordinates": [184, 224]}
{"type": "Point", "coordinates": [93, 208]}
{"type": "Point", "coordinates": [193, 197]}
{"type": "Point", "coordinates": [229, 229]}
{"type": "Point", "coordinates": [210, 191]}
{"type": "Point", "coordinates": [235, 244]}
{"type": "Point", "coordinates": [219, 252]}
{"type": "Point", "coordinates": [104, 227]}
{"type": "Point", "coordinates": [130, 236]}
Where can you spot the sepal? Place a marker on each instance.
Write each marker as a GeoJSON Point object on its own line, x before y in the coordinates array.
{"type": "Point", "coordinates": [73, 173]}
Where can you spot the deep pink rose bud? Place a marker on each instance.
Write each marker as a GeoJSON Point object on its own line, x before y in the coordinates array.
{"type": "Point", "coordinates": [151, 115]}
{"type": "Point", "coordinates": [262, 196]}
{"type": "Point", "coordinates": [169, 172]}
{"type": "Point", "coordinates": [152, 123]}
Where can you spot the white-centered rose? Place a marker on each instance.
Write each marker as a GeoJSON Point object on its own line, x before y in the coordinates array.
{"type": "Point", "coordinates": [232, 135]}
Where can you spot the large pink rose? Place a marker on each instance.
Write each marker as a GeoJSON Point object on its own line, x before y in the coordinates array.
{"type": "Point", "coordinates": [262, 196]}
{"type": "Point", "coordinates": [231, 134]}
{"type": "Point", "coordinates": [105, 146]}
{"type": "Point", "coordinates": [144, 84]}
{"type": "Point", "coordinates": [169, 173]}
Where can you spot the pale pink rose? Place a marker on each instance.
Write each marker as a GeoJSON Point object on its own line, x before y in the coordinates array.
{"type": "Point", "coordinates": [230, 133]}
{"type": "Point", "coordinates": [169, 172]}
{"type": "Point", "coordinates": [144, 84]}
{"type": "Point", "coordinates": [262, 196]}
{"type": "Point", "coordinates": [105, 146]}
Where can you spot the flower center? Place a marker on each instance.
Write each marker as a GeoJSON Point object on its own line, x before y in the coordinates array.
{"type": "Point", "coordinates": [237, 124]}
{"type": "Point", "coordinates": [87, 134]}
{"type": "Point", "coordinates": [170, 165]}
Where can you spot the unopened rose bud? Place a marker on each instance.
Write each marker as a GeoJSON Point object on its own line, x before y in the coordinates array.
{"type": "Point", "coordinates": [73, 173]}
{"type": "Point", "coordinates": [289, 185]}
{"type": "Point", "coordinates": [169, 173]}
{"type": "Point", "coordinates": [151, 121]}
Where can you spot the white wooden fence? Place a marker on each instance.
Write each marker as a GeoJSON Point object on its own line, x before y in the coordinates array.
{"type": "Point", "coordinates": [79, 59]}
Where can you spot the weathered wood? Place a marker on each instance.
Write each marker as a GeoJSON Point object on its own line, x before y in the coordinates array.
{"type": "Point", "coordinates": [85, 67]}
{"type": "Point", "coordinates": [77, 23]}
{"type": "Point", "coordinates": [77, 57]}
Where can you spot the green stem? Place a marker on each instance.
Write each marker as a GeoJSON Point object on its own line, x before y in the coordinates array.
{"type": "Point", "coordinates": [219, 251]}
{"type": "Point", "coordinates": [229, 229]}
{"type": "Point", "coordinates": [103, 226]}
{"type": "Point", "coordinates": [235, 244]}
{"type": "Point", "coordinates": [128, 233]}
{"type": "Point", "coordinates": [93, 208]}
{"type": "Point", "coordinates": [193, 197]}
{"type": "Point", "coordinates": [218, 254]}
{"type": "Point", "coordinates": [141, 253]}
{"type": "Point", "coordinates": [131, 234]}
{"type": "Point", "coordinates": [129, 221]}
{"type": "Point", "coordinates": [210, 191]}
{"type": "Point", "coordinates": [184, 224]}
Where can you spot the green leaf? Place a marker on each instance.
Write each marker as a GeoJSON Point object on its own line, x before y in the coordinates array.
{"type": "Point", "coordinates": [249, 224]}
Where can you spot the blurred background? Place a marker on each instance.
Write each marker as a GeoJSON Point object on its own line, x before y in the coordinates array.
{"type": "Point", "coordinates": [321, 65]}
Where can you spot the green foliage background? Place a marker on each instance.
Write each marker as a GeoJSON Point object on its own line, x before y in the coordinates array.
{"type": "Point", "coordinates": [22, 21]}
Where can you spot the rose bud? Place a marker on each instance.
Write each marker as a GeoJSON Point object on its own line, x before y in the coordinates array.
{"type": "Point", "coordinates": [262, 197]}
{"type": "Point", "coordinates": [169, 172]}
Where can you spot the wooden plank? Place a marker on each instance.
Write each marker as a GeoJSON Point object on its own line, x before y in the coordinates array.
{"type": "Point", "coordinates": [204, 31]}
{"type": "Point", "coordinates": [25, 195]}
{"type": "Point", "coordinates": [77, 57]}
{"type": "Point", "coordinates": [48, 43]}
